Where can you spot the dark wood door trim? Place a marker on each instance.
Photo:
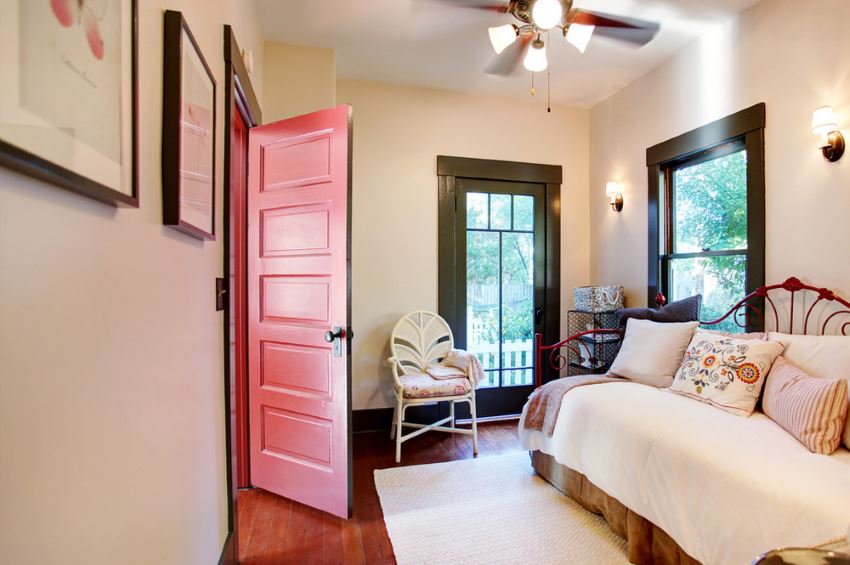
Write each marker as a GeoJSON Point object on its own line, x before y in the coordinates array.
{"type": "Point", "coordinates": [498, 170]}
{"type": "Point", "coordinates": [239, 93]}
{"type": "Point", "coordinates": [449, 170]}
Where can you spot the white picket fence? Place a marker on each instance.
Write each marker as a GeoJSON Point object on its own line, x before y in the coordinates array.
{"type": "Point", "coordinates": [514, 354]}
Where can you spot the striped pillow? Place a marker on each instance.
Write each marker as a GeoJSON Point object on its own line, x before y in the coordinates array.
{"type": "Point", "coordinates": [811, 409]}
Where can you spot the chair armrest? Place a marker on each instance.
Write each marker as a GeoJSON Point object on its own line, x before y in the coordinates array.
{"type": "Point", "coordinates": [395, 367]}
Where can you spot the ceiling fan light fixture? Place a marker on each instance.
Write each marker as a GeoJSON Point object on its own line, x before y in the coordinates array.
{"type": "Point", "coordinates": [503, 36]}
{"type": "Point", "coordinates": [547, 13]}
{"type": "Point", "coordinates": [535, 60]}
{"type": "Point", "coordinates": [578, 35]}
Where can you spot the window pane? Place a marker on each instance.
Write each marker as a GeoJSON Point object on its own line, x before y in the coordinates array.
{"type": "Point", "coordinates": [524, 213]}
{"type": "Point", "coordinates": [518, 377]}
{"type": "Point", "coordinates": [711, 205]}
{"type": "Point", "coordinates": [720, 280]}
{"type": "Point", "coordinates": [517, 306]}
{"type": "Point", "coordinates": [482, 300]}
{"type": "Point", "coordinates": [500, 211]}
{"type": "Point", "coordinates": [476, 210]}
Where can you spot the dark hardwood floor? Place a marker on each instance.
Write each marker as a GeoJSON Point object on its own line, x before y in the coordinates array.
{"type": "Point", "coordinates": [276, 530]}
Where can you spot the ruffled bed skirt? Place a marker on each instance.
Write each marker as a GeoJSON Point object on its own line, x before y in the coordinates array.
{"type": "Point", "coordinates": [647, 543]}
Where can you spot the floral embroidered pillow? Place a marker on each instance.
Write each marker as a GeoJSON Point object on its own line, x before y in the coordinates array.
{"type": "Point", "coordinates": [725, 372]}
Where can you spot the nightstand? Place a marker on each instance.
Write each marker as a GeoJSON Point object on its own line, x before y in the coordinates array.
{"type": "Point", "coordinates": [595, 353]}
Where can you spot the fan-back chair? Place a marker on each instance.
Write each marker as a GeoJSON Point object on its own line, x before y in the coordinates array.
{"type": "Point", "coordinates": [418, 340]}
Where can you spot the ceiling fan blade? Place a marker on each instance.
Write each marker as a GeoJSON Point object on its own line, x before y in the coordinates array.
{"type": "Point", "coordinates": [630, 30]}
{"type": "Point", "coordinates": [488, 5]}
{"type": "Point", "coordinates": [508, 61]}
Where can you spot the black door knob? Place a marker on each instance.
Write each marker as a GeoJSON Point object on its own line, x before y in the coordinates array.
{"type": "Point", "coordinates": [330, 336]}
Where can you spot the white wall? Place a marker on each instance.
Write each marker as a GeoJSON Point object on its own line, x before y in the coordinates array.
{"type": "Point", "coordinates": [111, 383]}
{"type": "Point", "coordinates": [299, 80]}
{"type": "Point", "coordinates": [398, 133]}
{"type": "Point", "coordinates": [792, 59]}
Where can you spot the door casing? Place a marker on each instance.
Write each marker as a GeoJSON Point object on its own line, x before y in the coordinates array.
{"type": "Point", "coordinates": [238, 96]}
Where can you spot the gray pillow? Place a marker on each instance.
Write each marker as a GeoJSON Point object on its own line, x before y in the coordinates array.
{"type": "Point", "coordinates": [685, 310]}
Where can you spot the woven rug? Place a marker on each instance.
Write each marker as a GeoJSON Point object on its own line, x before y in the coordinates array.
{"type": "Point", "coordinates": [490, 510]}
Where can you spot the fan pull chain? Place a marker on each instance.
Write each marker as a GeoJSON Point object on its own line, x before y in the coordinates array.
{"type": "Point", "coordinates": [533, 92]}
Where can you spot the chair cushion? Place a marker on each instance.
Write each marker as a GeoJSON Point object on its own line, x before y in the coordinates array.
{"type": "Point", "coordinates": [422, 385]}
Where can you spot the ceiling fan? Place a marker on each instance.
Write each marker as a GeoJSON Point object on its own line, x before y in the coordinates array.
{"type": "Point", "coordinates": [523, 42]}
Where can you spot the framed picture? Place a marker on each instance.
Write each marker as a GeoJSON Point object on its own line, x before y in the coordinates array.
{"type": "Point", "coordinates": [188, 133]}
{"type": "Point", "coordinates": [69, 102]}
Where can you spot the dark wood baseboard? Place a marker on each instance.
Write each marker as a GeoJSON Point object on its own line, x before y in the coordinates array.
{"type": "Point", "coordinates": [228, 552]}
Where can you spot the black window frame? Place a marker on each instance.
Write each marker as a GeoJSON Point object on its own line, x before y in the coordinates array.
{"type": "Point", "coordinates": [742, 130]}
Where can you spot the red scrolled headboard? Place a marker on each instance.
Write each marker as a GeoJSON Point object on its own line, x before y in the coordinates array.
{"type": "Point", "coordinates": [791, 307]}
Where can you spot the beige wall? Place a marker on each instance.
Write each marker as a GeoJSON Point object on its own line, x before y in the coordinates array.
{"type": "Point", "coordinates": [299, 80]}
{"type": "Point", "coordinates": [111, 396]}
{"type": "Point", "coordinates": [398, 133]}
{"type": "Point", "coordinates": [793, 60]}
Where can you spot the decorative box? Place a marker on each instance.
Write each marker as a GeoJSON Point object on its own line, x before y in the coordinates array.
{"type": "Point", "coordinates": [598, 298]}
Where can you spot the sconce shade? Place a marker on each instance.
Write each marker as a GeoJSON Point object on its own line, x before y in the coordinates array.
{"type": "Point", "coordinates": [825, 125]}
{"type": "Point", "coordinates": [823, 121]}
{"type": "Point", "coordinates": [502, 36]}
{"type": "Point", "coordinates": [613, 191]}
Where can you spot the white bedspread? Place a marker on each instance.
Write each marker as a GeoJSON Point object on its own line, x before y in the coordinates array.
{"type": "Point", "coordinates": [726, 488]}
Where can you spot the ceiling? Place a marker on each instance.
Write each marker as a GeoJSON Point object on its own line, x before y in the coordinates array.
{"type": "Point", "coordinates": [433, 44]}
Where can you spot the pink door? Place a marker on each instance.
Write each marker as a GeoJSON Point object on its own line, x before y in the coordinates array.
{"type": "Point", "coordinates": [298, 308]}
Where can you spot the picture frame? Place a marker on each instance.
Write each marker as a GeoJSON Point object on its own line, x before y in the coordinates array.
{"type": "Point", "coordinates": [80, 56]}
{"type": "Point", "coordinates": [188, 133]}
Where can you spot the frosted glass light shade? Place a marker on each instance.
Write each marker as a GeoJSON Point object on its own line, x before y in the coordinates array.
{"type": "Point", "coordinates": [823, 121]}
{"type": "Point", "coordinates": [579, 35]}
{"type": "Point", "coordinates": [535, 60]}
{"type": "Point", "coordinates": [547, 13]}
{"type": "Point", "coordinates": [612, 188]}
{"type": "Point", "coordinates": [502, 36]}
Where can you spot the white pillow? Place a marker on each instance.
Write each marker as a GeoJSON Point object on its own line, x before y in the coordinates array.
{"type": "Point", "coordinates": [726, 372]}
{"type": "Point", "coordinates": [819, 356]}
{"type": "Point", "coordinates": [652, 351]}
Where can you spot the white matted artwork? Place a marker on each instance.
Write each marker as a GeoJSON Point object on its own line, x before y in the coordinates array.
{"type": "Point", "coordinates": [188, 173]}
{"type": "Point", "coordinates": [68, 106]}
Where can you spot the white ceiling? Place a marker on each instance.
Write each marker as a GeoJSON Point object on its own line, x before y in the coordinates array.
{"type": "Point", "coordinates": [432, 44]}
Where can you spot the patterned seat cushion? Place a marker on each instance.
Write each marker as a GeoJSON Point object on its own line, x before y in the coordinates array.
{"type": "Point", "coordinates": [422, 385]}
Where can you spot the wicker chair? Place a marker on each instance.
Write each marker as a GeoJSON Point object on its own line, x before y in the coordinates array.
{"type": "Point", "coordinates": [419, 339]}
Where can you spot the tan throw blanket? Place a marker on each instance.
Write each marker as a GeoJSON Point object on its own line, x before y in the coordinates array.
{"type": "Point", "coordinates": [458, 363]}
{"type": "Point", "coordinates": [541, 410]}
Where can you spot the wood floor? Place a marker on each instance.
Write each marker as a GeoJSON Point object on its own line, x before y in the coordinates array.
{"type": "Point", "coordinates": [276, 530]}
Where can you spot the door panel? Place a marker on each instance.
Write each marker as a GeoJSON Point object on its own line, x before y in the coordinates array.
{"type": "Point", "coordinates": [501, 248]}
{"type": "Point", "coordinates": [298, 257]}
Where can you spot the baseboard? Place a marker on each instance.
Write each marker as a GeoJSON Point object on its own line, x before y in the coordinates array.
{"type": "Point", "coordinates": [228, 552]}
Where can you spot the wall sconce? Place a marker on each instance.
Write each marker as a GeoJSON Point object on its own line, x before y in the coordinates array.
{"type": "Point", "coordinates": [612, 191]}
{"type": "Point", "coordinates": [825, 125]}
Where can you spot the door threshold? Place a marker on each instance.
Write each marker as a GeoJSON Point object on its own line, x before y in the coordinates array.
{"type": "Point", "coordinates": [504, 418]}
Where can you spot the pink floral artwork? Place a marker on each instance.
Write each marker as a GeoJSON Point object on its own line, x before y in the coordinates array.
{"type": "Point", "coordinates": [84, 12]}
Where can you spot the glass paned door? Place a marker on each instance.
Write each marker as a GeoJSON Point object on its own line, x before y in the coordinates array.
{"type": "Point", "coordinates": [503, 282]}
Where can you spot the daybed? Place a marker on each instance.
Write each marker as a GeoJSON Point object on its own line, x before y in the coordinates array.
{"type": "Point", "coordinates": [686, 482]}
